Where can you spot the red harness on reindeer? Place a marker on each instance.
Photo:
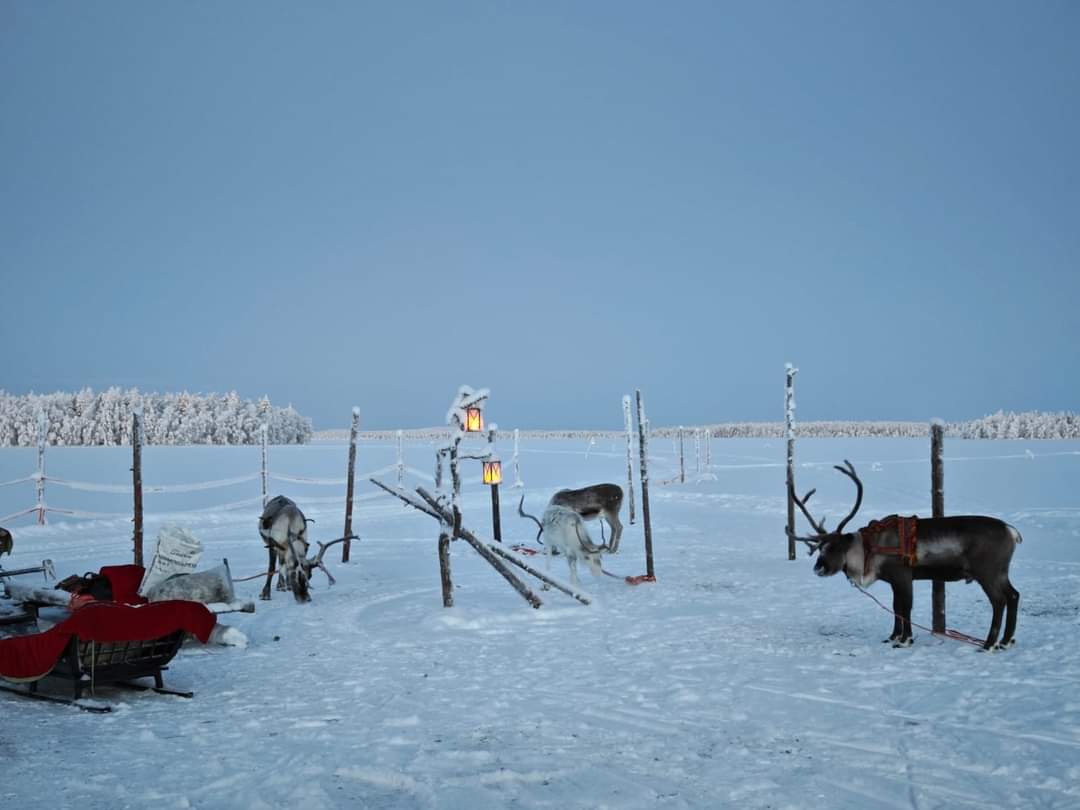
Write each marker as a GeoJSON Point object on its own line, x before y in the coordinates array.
{"type": "Point", "coordinates": [900, 539]}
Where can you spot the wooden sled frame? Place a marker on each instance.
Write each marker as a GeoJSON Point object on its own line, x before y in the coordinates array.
{"type": "Point", "coordinates": [87, 664]}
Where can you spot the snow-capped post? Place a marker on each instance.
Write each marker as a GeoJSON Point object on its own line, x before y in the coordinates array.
{"type": "Point", "coordinates": [643, 444]}
{"type": "Point", "coordinates": [353, 431]}
{"type": "Point", "coordinates": [937, 506]}
{"type": "Point", "coordinates": [518, 484]}
{"type": "Point", "coordinates": [682, 458]}
{"type": "Point", "coordinates": [400, 460]}
{"type": "Point", "coordinates": [629, 453]}
{"type": "Point", "coordinates": [136, 482]}
{"type": "Point", "coordinates": [789, 433]}
{"type": "Point", "coordinates": [492, 477]}
{"type": "Point", "coordinates": [466, 415]}
{"type": "Point", "coordinates": [264, 432]}
{"type": "Point", "coordinates": [42, 439]}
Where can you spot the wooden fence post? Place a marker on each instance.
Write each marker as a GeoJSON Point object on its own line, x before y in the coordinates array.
{"type": "Point", "coordinates": [136, 482]}
{"type": "Point", "coordinates": [264, 430]}
{"type": "Point", "coordinates": [349, 483]}
{"type": "Point", "coordinates": [937, 500]}
{"type": "Point", "coordinates": [682, 458]}
{"type": "Point", "coordinates": [43, 438]}
{"type": "Point", "coordinates": [789, 432]}
{"type": "Point", "coordinates": [629, 454]}
{"type": "Point", "coordinates": [517, 466]}
{"type": "Point", "coordinates": [697, 450]}
{"type": "Point", "coordinates": [400, 460]}
{"type": "Point", "coordinates": [643, 444]}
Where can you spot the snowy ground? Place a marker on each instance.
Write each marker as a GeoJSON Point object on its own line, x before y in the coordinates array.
{"type": "Point", "coordinates": [737, 680]}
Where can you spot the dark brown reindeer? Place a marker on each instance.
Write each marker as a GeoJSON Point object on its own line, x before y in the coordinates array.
{"type": "Point", "coordinates": [598, 500]}
{"type": "Point", "coordinates": [898, 550]}
{"type": "Point", "coordinates": [283, 528]}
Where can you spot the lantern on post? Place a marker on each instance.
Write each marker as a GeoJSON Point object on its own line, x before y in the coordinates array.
{"type": "Point", "coordinates": [474, 419]}
{"type": "Point", "coordinates": [493, 472]}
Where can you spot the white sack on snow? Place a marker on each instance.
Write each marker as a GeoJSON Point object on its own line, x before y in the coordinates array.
{"type": "Point", "coordinates": [178, 552]}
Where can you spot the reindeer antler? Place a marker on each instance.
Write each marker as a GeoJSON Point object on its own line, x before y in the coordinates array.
{"type": "Point", "coordinates": [317, 561]}
{"type": "Point", "coordinates": [849, 470]}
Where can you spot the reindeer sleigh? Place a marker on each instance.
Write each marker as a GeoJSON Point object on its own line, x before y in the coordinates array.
{"type": "Point", "coordinates": [898, 550]}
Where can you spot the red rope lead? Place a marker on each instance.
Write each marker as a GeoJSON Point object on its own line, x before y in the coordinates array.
{"type": "Point", "coordinates": [956, 635]}
{"type": "Point", "coordinates": [639, 579]}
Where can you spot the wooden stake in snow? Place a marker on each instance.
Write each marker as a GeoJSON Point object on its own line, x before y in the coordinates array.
{"type": "Point", "coordinates": [682, 458]}
{"type": "Point", "coordinates": [629, 454]}
{"type": "Point", "coordinates": [517, 471]}
{"type": "Point", "coordinates": [643, 442]}
{"type": "Point", "coordinates": [353, 431]}
{"type": "Point", "coordinates": [937, 505]}
{"type": "Point", "coordinates": [400, 460]}
{"type": "Point", "coordinates": [789, 432]}
{"type": "Point", "coordinates": [136, 482]}
{"type": "Point", "coordinates": [42, 439]}
{"type": "Point", "coordinates": [264, 431]}
{"type": "Point", "coordinates": [697, 450]}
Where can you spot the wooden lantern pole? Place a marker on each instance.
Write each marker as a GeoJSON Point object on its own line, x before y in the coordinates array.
{"type": "Point", "coordinates": [496, 527]}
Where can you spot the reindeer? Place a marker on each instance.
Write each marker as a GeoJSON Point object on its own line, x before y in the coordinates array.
{"type": "Point", "coordinates": [590, 502]}
{"type": "Point", "coordinates": [7, 544]}
{"type": "Point", "coordinates": [898, 550]}
{"type": "Point", "coordinates": [283, 528]}
{"type": "Point", "coordinates": [567, 535]}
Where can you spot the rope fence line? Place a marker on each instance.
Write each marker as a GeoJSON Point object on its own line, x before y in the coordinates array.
{"type": "Point", "coordinates": [197, 486]}
{"type": "Point", "coordinates": [19, 481]}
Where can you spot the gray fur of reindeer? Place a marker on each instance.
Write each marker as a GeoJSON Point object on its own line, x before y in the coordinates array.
{"type": "Point", "coordinates": [283, 529]}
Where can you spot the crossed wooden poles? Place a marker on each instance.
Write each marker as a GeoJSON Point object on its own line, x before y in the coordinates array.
{"type": "Point", "coordinates": [492, 553]}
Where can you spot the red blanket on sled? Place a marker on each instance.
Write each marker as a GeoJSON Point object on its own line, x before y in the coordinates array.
{"type": "Point", "coordinates": [24, 658]}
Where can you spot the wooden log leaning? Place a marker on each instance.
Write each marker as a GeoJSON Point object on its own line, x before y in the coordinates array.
{"type": "Point", "coordinates": [433, 509]}
{"type": "Point", "coordinates": [483, 550]}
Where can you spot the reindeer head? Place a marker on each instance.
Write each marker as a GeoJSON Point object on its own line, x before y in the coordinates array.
{"type": "Point", "coordinates": [832, 547]}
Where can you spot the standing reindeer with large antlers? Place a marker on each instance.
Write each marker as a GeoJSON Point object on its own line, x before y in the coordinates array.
{"type": "Point", "coordinates": [898, 550]}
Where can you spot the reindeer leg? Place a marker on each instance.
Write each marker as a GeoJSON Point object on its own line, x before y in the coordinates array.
{"type": "Point", "coordinates": [902, 598]}
{"type": "Point", "coordinates": [616, 531]}
{"type": "Point", "coordinates": [1012, 603]}
{"type": "Point", "coordinates": [997, 600]}
{"type": "Point", "coordinates": [269, 574]}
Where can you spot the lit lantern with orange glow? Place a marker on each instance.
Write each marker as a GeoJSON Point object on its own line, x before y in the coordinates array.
{"type": "Point", "coordinates": [474, 420]}
{"type": "Point", "coordinates": [492, 472]}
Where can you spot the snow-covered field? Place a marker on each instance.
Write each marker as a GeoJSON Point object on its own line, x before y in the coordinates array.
{"type": "Point", "coordinates": [738, 679]}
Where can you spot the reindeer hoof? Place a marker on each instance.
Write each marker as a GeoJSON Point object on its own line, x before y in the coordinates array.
{"type": "Point", "coordinates": [903, 642]}
{"type": "Point", "coordinates": [265, 597]}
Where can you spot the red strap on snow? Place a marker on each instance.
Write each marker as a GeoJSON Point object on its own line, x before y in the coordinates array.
{"type": "Point", "coordinates": [639, 579]}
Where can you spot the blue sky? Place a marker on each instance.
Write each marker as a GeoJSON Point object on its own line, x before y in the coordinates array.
{"type": "Point", "coordinates": [371, 204]}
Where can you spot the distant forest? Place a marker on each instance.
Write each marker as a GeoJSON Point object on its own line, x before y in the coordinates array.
{"type": "Point", "coordinates": [104, 418]}
{"type": "Point", "coordinates": [1000, 425]}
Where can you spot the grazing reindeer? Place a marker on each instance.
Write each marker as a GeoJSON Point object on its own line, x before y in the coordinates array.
{"type": "Point", "coordinates": [898, 550]}
{"type": "Point", "coordinates": [567, 535]}
{"type": "Point", "coordinates": [283, 528]}
{"type": "Point", "coordinates": [590, 502]}
{"type": "Point", "coordinates": [6, 542]}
